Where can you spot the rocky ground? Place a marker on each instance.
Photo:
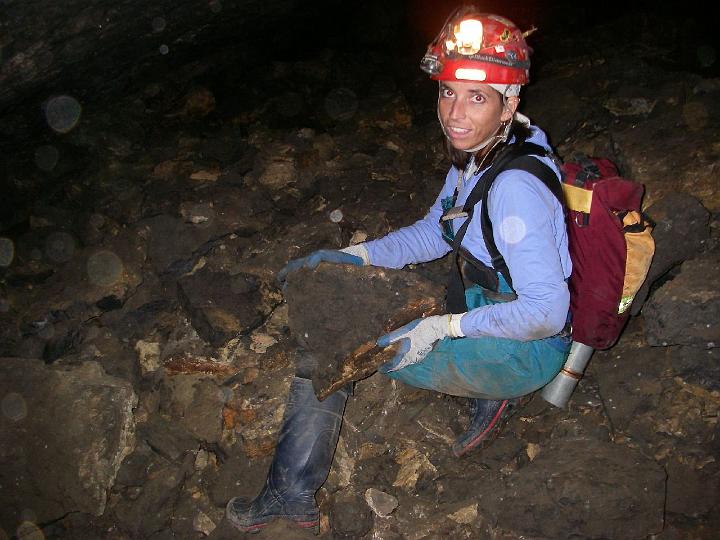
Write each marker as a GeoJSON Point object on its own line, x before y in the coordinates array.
{"type": "Point", "coordinates": [146, 347]}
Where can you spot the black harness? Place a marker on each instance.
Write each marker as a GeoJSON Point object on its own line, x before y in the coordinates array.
{"type": "Point", "coordinates": [464, 266]}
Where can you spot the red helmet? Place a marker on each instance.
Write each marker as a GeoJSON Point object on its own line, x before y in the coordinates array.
{"type": "Point", "coordinates": [474, 46]}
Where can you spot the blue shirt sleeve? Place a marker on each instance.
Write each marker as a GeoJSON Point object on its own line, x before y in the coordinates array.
{"type": "Point", "coordinates": [530, 234]}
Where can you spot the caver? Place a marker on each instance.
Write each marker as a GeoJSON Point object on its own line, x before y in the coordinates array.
{"type": "Point", "coordinates": [499, 341]}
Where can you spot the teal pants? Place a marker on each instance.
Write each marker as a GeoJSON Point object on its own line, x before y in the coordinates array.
{"type": "Point", "coordinates": [487, 367]}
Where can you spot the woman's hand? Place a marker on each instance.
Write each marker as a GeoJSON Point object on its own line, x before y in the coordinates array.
{"type": "Point", "coordinates": [316, 257]}
{"type": "Point", "coordinates": [418, 338]}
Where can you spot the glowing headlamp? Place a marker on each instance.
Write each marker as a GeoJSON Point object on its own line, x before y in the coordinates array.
{"type": "Point", "coordinates": [468, 36]}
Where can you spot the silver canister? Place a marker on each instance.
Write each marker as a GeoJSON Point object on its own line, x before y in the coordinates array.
{"type": "Point", "coordinates": [559, 390]}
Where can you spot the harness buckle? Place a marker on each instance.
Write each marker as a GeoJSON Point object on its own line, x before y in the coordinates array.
{"type": "Point", "coordinates": [453, 213]}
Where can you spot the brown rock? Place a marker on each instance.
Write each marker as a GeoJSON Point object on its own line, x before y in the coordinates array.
{"type": "Point", "coordinates": [65, 432]}
{"type": "Point", "coordinates": [686, 311]}
{"type": "Point", "coordinates": [220, 306]}
{"type": "Point", "coordinates": [261, 447]}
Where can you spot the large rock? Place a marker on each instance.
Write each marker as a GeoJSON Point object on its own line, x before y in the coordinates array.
{"type": "Point", "coordinates": [686, 311]}
{"type": "Point", "coordinates": [221, 306]}
{"type": "Point", "coordinates": [338, 311]}
{"type": "Point", "coordinates": [65, 432]}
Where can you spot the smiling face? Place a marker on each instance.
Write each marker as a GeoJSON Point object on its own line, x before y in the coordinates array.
{"type": "Point", "coordinates": [472, 112]}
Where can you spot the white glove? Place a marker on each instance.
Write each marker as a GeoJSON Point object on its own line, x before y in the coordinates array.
{"type": "Point", "coordinates": [418, 339]}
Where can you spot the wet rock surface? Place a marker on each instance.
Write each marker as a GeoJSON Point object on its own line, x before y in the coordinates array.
{"type": "Point", "coordinates": [146, 214]}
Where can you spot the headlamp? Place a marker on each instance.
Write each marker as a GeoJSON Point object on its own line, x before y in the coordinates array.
{"type": "Point", "coordinates": [430, 64]}
{"type": "Point", "coordinates": [468, 37]}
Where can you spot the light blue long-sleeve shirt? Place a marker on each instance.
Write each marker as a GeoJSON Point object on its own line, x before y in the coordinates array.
{"type": "Point", "coordinates": [530, 233]}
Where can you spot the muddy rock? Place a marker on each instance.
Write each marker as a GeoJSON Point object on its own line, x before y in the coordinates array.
{"type": "Point", "coordinates": [658, 165]}
{"type": "Point", "coordinates": [350, 517]}
{"type": "Point", "coordinates": [686, 311]}
{"type": "Point", "coordinates": [165, 256]}
{"type": "Point", "coordinates": [692, 492]}
{"type": "Point", "coordinates": [225, 208]}
{"type": "Point", "coordinates": [336, 309]}
{"type": "Point", "coordinates": [142, 512]}
{"type": "Point", "coordinates": [167, 438]}
{"type": "Point", "coordinates": [653, 391]}
{"type": "Point", "coordinates": [219, 305]}
{"type": "Point", "coordinates": [696, 366]}
{"type": "Point", "coordinates": [65, 431]}
{"type": "Point", "coordinates": [268, 255]}
{"type": "Point", "coordinates": [236, 476]}
{"type": "Point", "coordinates": [196, 403]}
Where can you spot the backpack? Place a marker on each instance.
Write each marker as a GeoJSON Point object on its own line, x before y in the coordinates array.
{"type": "Point", "coordinates": [609, 240]}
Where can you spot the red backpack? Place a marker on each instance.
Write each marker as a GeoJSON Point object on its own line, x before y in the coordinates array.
{"type": "Point", "coordinates": [610, 240]}
{"type": "Point", "coordinates": [611, 248]}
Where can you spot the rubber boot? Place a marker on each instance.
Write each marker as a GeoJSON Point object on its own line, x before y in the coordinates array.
{"type": "Point", "coordinates": [302, 460]}
{"type": "Point", "coordinates": [487, 418]}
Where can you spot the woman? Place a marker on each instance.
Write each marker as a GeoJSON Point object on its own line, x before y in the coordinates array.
{"type": "Point", "coordinates": [505, 334]}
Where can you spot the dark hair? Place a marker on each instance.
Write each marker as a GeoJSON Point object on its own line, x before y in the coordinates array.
{"type": "Point", "coordinates": [459, 158]}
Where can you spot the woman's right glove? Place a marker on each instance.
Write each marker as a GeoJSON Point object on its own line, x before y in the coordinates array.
{"type": "Point", "coordinates": [418, 338]}
{"type": "Point", "coordinates": [355, 255]}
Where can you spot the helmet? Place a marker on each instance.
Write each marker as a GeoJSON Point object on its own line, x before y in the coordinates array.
{"type": "Point", "coordinates": [474, 46]}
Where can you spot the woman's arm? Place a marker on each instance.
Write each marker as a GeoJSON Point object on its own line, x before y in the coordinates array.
{"type": "Point", "coordinates": [529, 232]}
{"type": "Point", "coordinates": [420, 242]}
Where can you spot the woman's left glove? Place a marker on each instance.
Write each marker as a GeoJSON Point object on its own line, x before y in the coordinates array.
{"type": "Point", "coordinates": [418, 338]}
{"type": "Point", "coordinates": [322, 255]}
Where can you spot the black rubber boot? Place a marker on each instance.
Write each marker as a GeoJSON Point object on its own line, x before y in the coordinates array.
{"type": "Point", "coordinates": [488, 417]}
{"type": "Point", "coordinates": [302, 460]}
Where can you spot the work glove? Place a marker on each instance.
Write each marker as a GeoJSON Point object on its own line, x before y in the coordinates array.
{"type": "Point", "coordinates": [351, 256]}
{"type": "Point", "coordinates": [418, 338]}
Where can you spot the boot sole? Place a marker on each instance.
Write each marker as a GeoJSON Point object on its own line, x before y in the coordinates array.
{"type": "Point", "coordinates": [259, 526]}
{"type": "Point", "coordinates": [255, 527]}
